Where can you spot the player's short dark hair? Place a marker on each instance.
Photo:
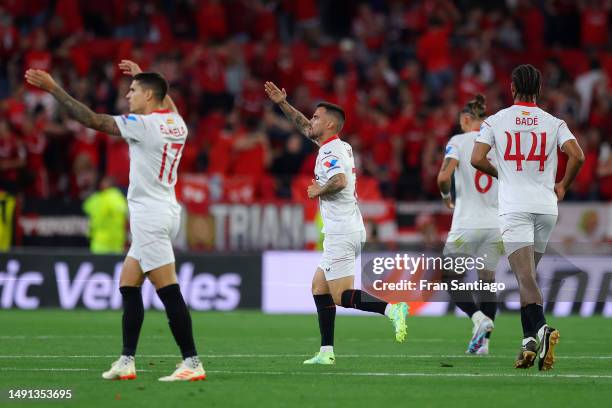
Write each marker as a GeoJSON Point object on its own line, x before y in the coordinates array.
{"type": "Point", "coordinates": [155, 82]}
{"type": "Point", "coordinates": [527, 81]}
{"type": "Point", "coordinates": [477, 107]}
{"type": "Point", "coordinates": [336, 111]}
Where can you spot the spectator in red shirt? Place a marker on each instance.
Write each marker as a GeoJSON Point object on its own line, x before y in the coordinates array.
{"type": "Point", "coordinates": [12, 159]}
{"type": "Point", "coordinates": [251, 151]}
{"type": "Point", "coordinates": [35, 143]}
{"type": "Point", "coordinates": [594, 23]}
{"type": "Point", "coordinates": [434, 50]}
{"type": "Point", "coordinates": [212, 21]}
{"type": "Point", "coordinates": [584, 182]}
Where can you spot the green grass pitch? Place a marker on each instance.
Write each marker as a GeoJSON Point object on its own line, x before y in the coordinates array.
{"type": "Point", "coordinates": [255, 360]}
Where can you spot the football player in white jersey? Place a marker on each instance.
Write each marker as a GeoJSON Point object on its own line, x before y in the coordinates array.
{"type": "Point", "coordinates": [474, 231]}
{"type": "Point", "coordinates": [334, 187]}
{"type": "Point", "coordinates": [525, 139]}
{"type": "Point", "coordinates": [156, 134]}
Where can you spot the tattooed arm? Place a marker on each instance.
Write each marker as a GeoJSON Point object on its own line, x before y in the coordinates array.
{"type": "Point", "coordinates": [295, 116]}
{"type": "Point", "coordinates": [76, 110]}
{"type": "Point", "coordinates": [335, 184]}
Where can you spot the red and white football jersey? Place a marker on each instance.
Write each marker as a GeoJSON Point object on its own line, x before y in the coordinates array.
{"type": "Point", "coordinates": [339, 211]}
{"type": "Point", "coordinates": [475, 191]}
{"type": "Point", "coordinates": [156, 144]}
{"type": "Point", "coordinates": [525, 138]}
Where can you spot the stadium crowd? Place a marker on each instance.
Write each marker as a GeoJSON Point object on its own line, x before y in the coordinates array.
{"type": "Point", "coordinates": [401, 69]}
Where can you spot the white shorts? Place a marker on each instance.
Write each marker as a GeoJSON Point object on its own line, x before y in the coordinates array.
{"type": "Point", "coordinates": [152, 241]}
{"type": "Point", "coordinates": [476, 243]}
{"type": "Point", "coordinates": [522, 229]}
{"type": "Point", "coordinates": [339, 254]}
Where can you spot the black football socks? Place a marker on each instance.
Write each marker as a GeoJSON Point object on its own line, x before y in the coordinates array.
{"type": "Point", "coordinates": [357, 299]}
{"type": "Point", "coordinates": [133, 316]}
{"type": "Point", "coordinates": [179, 319]}
{"type": "Point", "coordinates": [326, 310]}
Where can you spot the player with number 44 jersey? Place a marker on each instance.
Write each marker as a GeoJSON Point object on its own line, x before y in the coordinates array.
{"type": "Point", "coordinates": [526, 139]}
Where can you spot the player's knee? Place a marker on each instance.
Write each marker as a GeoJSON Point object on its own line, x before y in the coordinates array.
{"type": "Point", "coordinates": [337, 296]}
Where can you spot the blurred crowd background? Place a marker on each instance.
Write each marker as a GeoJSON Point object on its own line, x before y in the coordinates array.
{"type": "Point", "coordinates": [401, 69]}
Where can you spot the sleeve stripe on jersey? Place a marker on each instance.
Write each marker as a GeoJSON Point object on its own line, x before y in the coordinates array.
{"type": "Point", "coordinates": [486, 123]}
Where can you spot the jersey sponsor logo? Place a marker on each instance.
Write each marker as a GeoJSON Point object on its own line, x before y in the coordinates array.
{"type": "Point", "coordinates": [170, 121]}
{"type": "Point", "coordinates": [449, 149]}
{"type": "Point", "coordinates": [525, 113]}
{"type": "Point", "coordinates": [330, 163]}
{"type": "Point", "coordinates": [129, 117]}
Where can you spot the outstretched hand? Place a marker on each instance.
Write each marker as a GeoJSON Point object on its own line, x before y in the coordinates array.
{"type": "Point", "coordinates": [275, 94]}
{"type": "Point", "coordinates": [40, 79]}
{"type": "Point", "coordinates": [129, 67]}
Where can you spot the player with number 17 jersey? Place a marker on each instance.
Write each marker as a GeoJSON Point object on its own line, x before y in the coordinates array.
{"type": "Point", "coordinates": [156, 143]}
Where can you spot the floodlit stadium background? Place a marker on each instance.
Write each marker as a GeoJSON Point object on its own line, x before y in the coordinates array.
{"type": "Point", "coordinates": [402, 70]}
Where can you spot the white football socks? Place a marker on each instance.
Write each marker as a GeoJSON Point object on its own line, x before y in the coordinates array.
{"type": "Point", "coordinates": [192, 362]}
{"type": "Point", "coordinates": [327, 349]}
{"type": "Point", "coordinates": [388, 309]}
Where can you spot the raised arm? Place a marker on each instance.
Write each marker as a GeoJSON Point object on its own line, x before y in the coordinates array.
{"type": "Point", "coordinates": [131, 68]}
{"type": "Point", "coordinates": [574, 163]}
{"type": "Point", "coordinates": [76, 110]}
{"type": "Point", "coordinates": [295, 116]}
{"type": "Point", "coordinates": [479, 159]}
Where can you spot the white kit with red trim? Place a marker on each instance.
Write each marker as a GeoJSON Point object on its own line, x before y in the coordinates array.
{"type": "Point", "coordinates": [156, 143]}
{"type": "Point", "coordinates": [525, 139]}
{"type": "Point", "coordinates": [340, 212]}
{"type": "Point", "coordinates": [475, 191]}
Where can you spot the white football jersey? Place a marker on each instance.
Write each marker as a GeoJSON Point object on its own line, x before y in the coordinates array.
{"type": "Point", "coordinates": [340, 212]}
{"type": "Point", "coordinates": [525, 139]}
{"type": "Point", "coordinates": [156, 144]}
{"type": "Point", "coordinates": [475, 191]}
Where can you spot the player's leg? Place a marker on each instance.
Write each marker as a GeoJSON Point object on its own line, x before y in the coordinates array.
{"type": "Point", "coordinates": [548, 337]}
{"type": "Point", "coordinates": [130, 283]}
{"type": "Point", "coordinates": [464, 244]}
{"type": "Point", "coordinates": [326, 313]}
{"type": "Point", "coordinates": [518, 237]}
{"type": "Point", "coordinates": [339, 270]}
{"type": "Point", "coordinates": [523, 265]}
{"type": "Point", "coordinates": [179, 319]}
{"type": "Point", "coordinates": [157, 260]}
{"type": "Point", "coordinates": [491, 250]}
